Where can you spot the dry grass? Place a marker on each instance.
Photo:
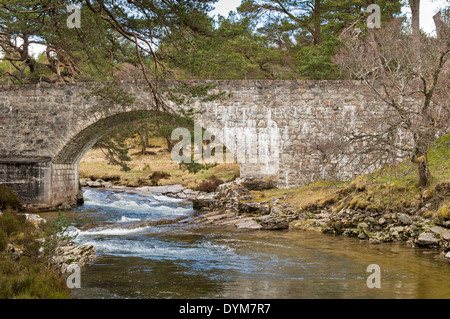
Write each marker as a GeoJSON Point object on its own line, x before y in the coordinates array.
{"type": "Point", "coordinates": [300, 197]}
{"type": "Point", "coordinates": [94, 166]}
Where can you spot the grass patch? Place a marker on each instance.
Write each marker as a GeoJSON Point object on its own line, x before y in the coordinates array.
{"type": "Point", "coordinates": [23, 279]}
{"type": "Point", "coordinates": [405, 174]}
{"type": "Point", "coordinates": [300, 197]}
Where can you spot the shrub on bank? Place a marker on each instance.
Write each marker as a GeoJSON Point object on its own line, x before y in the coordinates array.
{"type": "Point", "coordinates": [24, 267]}
{"type": "Point", "coordinates": [210, 185]}
{"type": "Point", "coordinates": [24, 279]}
{"type": "Point", "coordinates": [9, 198]}
{"type": "Point", "coordinates": [155, 177]}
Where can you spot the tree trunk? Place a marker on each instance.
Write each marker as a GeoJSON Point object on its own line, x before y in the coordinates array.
{"type": "Point", "coordinates": [147, 144]}
{"type": "Point", "coordinates": [440, 25]}
{"type": "Point", "coordinates": [316, 14]}
{"type": "Point", "coordinates": [424, 172]}
{"type": "Point", "coordinates": [421, 159]}
{"type": "Point", "coordinates": [415, 23]}
{"type": "Point", "coordinates": [143, 145]}
{"type": "Point", "coordinates": [169, 144]}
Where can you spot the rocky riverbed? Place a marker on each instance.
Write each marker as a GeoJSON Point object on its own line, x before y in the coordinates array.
{"type": "Point", "coordinates": [234, 205]}
{"type": "Point", "coordinates": [175, 191]}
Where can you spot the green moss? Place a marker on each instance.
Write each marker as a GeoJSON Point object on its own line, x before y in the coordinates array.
{"type": "Point", "coordinates": [429, 193]}
{"type": "Point", "coordinates": [358, 203]}
{"type": "Point", "coordinates": [443, 212]}
{"type": "Point", "coordinates": [375, 208]}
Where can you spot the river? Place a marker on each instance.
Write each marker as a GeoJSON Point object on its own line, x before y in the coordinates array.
{"type": "Point", "coordinates": [184, 261]}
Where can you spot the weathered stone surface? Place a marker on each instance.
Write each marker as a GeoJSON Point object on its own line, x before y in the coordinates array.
{"type": "Point", "coordinates": [404, 219]}
{"type": "Point", "coordinates": [95, 184]}
{"type": "Point", "coordinates": [253, 208]}
{"type": "Point", "coordinates": [69, 255]}
{"type": "Point", "coordinates": [248, 223]}
{"type": "Point", "coordinates": [273, 222]}
{"type": "Point", "coordinates": [445, 233]}
{"type": "Point", "coordinates": [427, 239]}
{"type": "Point", "coordinates": [203, 201]}
{"type": "Point", "coordinates": [253, 183]}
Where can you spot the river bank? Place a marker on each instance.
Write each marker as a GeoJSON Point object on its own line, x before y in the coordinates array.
{"type": "Point", "coordinates": [238, 204]}
{"type": "Point", "coordinates": [235, 205]}
{"type": "Point", "coordinates": [35, 257]}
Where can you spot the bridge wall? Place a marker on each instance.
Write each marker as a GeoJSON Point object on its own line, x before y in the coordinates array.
{"type": "Point", "coordinates": [46, 129]}
{"type": "Point", "coordinates": [30, 178]}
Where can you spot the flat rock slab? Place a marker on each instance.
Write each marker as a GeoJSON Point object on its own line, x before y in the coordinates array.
{"type": "Point", "coordinates": [248, 223]}
{"type": "Point", "coordinates": [220, 217]}
{"type": "Point", "coordinates": [445, 233]}
{"type": "Point", "coordinates": [77, 254]}
{"type": "Point", "coordinates": [427, 239]}
{"type": "Point", "coordinates": [166, 189]}
{"type": "Point", "coordinates": [211, 214]}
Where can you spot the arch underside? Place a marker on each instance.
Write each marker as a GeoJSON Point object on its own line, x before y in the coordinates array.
{"type": "Point", "coordinates": [81, 143]}
{"type": "Point", "coordinates": [74, 150]}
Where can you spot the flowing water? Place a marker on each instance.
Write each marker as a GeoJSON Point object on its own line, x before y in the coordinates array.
{"type": "Point", "coordinates": [184, 261]}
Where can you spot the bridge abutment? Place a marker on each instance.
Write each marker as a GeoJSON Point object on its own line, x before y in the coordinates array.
{"type": "Point", "coordinates": [40, 184]}
{"type": "Point", "coordinates": [64, 185]}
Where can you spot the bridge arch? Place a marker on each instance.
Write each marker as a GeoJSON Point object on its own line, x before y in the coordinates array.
{"type": "Point", "coordinates": [74, 150]}
{"type": "Point", "coordinates": [64, 178]}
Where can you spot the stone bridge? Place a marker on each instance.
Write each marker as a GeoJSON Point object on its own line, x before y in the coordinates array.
{"type": "Point", "coordinates": [45, 130]}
